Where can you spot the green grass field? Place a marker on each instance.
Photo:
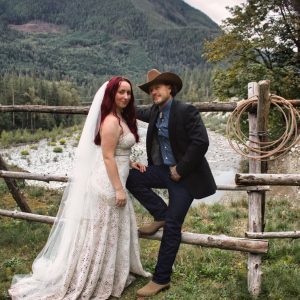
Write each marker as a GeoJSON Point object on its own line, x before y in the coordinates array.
{"type": "Point", "coordinates": [199, 273]}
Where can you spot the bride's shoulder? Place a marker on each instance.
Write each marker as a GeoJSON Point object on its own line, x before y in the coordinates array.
{"type": "Point", "coordinates": [111, 119]}
{"type": "Point", "coordinates": [110, 122]}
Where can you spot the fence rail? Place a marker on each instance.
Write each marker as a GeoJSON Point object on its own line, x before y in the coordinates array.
{"type": "Point", "coordinates": [267, 179]}
{"type": "Point", "coordinates": [204, 240]}
{"type": "Point", "coordinates": [48, 178]}
{"type": "Point", "coordinates": [271, 235]}
{"type": "Point", "coordinates": [201, 106]}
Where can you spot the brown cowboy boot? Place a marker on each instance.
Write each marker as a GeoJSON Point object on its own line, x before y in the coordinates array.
{"type": "Point", "coordinates": [151, 228]}
{"type": "Point", "coordinates": [151, 289]}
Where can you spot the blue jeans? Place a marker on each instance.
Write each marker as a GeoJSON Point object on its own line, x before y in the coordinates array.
{"type": "Point", "coordinates": [140, 185]}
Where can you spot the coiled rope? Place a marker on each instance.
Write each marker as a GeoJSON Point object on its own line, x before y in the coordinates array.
{"type": "Point", "coordinates": [258, 148]}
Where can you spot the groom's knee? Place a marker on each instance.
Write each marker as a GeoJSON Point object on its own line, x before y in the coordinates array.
{"type": "Point", "coordinates": [133, 179]}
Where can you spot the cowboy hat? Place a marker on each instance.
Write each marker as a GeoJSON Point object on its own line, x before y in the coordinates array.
{"type": "Point", "coordinates": [154, 77]}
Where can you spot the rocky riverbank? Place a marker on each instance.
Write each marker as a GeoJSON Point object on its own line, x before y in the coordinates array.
{"type": "Point", "coordinates": [41, 158]}
{"type": "Point", "coordinates": [224, 162]}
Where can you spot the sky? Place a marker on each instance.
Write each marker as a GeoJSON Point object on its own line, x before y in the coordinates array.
{"type": "Point", "coordinates": [215, 9]}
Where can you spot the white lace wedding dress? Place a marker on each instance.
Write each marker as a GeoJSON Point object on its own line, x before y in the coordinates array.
{"type": "Point", "coordinates": [106, 251]}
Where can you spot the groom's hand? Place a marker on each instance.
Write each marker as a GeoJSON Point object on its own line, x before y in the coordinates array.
{"type": "Point", "coordinates": [138, 166]}
{"type": "Point", "coordinates": [174, 175]}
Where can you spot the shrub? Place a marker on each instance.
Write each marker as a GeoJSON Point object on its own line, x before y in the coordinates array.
{"type": "Point", "coordinates": [6, 138]}
{"type": "Point", "coordinates": [36, 191]}
{"type": "Point", "coordinates": [57, 149]}
{"type": "Point", "coordinates": [24, 152]}
{"type": "Point", "coordinates": [62, 141]}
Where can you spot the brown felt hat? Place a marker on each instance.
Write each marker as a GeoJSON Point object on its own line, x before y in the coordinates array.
{"type": "Point", "coordinates": [154, 77]}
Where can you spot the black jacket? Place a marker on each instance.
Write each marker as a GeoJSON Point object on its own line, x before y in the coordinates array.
{"type": "Point", "coordinates": [189, 143]}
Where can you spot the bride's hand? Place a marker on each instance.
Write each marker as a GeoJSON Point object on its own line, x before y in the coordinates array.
{"type": "Point", "coordinates": [138, 166]}
{"type": "Point", "coordinates": [120, 198]}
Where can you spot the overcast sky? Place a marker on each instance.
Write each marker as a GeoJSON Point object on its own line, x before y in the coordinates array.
{"type": "Point", "coordinates": [215, 9]}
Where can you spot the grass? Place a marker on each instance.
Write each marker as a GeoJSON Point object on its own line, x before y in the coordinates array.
{"type": "Point", "coordinates": [58, 149]}
{"type": "Point", "coordinates": [24, 152]}
{"type": "Point", "coordinates": [199, 273]}
{"type": "Point", "coordinates": [215, 121]}
{"type": "Point", "coordinates": [20, 136]}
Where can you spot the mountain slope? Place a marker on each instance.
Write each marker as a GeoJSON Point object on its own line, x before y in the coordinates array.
{"type": "Point", "coordinates": [99, 38]}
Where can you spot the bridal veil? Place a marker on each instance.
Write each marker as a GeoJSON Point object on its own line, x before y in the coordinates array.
{"type": "Point", "coordinates": [53, 264]}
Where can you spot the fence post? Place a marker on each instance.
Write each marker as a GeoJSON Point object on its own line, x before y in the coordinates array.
{"type": "Point", "coordinates": [258, 124]}
{"type": "Point", "coordinates": [13, 188]}
{"type": "Point", "coordinates": [263, 109]}
{"type": "Point", "coordinates": [254, 199]}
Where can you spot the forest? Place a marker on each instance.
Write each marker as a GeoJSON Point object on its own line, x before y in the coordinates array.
{"type": "Point", "coordinates": [50, 57]}
{"type": "Point", "coordinates": [63, 60]}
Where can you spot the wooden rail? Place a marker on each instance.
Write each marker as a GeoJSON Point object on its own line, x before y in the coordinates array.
{"type": "Point", "coordinates": [271, 235]}
{"type": "Point", "coordinates": [204, 240]}
{"type": "Point", "coordinates": [83, 110]}
{"type": "Point", "coordinates": [48, 178]}
{"type": "Point", "coordinates": [218, 241]}
{"type": "Point", "coordinates": [244, 182]}
{"type": "Point", "coordinates": [267, 179]}
{"type": "Point", "coordinates": [33, 176]}
{"type": "Point", "coordinates": [46, 109]}
{"type": "Point", "coordinates": [201, 106]}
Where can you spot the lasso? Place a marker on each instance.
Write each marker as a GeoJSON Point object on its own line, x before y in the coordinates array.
{"type": "Point", "coordinates": [263, 150]}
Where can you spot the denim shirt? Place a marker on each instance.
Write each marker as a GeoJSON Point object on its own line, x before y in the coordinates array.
{"type": "Point", "coordinates": [162, 125]}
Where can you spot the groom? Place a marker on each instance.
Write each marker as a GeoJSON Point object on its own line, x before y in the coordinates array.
{"type": "Point", "coordinates": [176, 144]}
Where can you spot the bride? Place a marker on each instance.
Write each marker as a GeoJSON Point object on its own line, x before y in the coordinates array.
{"type": "Point", "coordinates": [93, 246]}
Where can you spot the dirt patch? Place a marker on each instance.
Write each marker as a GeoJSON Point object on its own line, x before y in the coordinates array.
{"type": "Point", "coordinates": [38, 27]}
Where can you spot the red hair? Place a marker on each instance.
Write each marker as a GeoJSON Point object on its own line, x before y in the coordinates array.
{"type": "Point", "coordinates": [109, 105]}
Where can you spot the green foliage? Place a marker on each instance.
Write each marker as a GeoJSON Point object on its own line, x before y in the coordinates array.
{"type": "Point", "coordinates": [197, 84]}
{"type": "Point", "coordinates": [33, 147]}
{"type": "Point", "coordinates": [24, 152]}
{"type": "Point", "coordinates": [260, 41]}
{"type": "Point", "coordinates": [62, 141]}
{"type": "Point", "coordinates": [58, 149]}
{"type": "Point", "coordinates": [14, 137]}
{"type": "Point", "coordinates": [5, 138]}
{"type": "Point", "coordinates": [36, 191]}
{"type": "Point", "coordinates": [8, 138]}
{"type": "Point", "coordinates": [215, 121]}
{"type": "Point", "coordinates": [3, 187]}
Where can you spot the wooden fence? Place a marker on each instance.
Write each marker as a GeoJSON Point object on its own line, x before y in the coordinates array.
{"type": "Point", "coordinates": [255, 184]}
